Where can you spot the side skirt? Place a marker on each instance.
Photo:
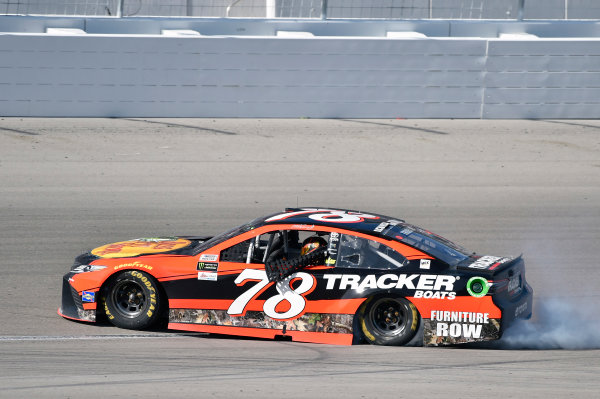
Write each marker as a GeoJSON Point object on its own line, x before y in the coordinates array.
{"type": "Point", "coordinates": [300, 336]}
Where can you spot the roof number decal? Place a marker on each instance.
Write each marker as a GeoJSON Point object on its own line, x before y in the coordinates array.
{"type": "Point", "coordinates": [325, 215]}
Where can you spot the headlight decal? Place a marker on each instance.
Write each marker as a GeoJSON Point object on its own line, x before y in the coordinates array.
{"type": "Point", "coordinates": [87, 268]}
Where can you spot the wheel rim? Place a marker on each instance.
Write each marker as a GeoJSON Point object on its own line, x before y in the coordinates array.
{"type": "Point", "coordinates": [129, 298]}
{"type": "Point", "coordinates": [388, 316]}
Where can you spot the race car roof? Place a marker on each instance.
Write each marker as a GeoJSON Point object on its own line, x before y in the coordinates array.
{"type": "Point", "coordinates": [364, 222]}
{"type": "Point", "coordinates": [372, 224]}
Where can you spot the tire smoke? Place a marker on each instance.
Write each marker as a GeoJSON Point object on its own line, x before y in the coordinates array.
{"type": "Point", "coordinates": [558, 323]}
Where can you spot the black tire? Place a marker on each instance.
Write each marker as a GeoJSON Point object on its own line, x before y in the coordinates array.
{"type": "Point", "coordinates": [388, 321]}
{"type": "Point", "coordinates": [133, 300]}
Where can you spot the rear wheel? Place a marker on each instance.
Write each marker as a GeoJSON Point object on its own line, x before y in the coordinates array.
{"type": "Point", "coordinates": [388, 321]}
{"type": "Point", "coordinates": [132, 300]}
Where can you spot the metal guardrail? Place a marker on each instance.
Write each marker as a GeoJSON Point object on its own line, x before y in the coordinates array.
{"type": "Point", "coordinates": [313, 9]}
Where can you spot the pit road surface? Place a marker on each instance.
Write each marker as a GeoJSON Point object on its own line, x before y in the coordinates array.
{"type": "Point", "coordinates": [495, 187]}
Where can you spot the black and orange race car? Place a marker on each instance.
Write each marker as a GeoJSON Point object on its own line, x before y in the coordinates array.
{"type": "Point", "coordinates": [315, 275]}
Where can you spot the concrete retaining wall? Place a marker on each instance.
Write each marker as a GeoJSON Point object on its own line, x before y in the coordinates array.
{"type": "Point", "coordinates": [291, 70]}
{"type": "Point", "coordinates": [542, 79]}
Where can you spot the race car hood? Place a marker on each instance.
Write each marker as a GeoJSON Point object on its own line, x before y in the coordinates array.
{"type": "Point", "coordinates": [147, 246]}
{"type": "Point", "coordinates": [487, 264]}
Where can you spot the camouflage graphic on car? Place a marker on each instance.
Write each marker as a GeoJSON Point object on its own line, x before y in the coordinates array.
{"type": "Point", "coordinates": [87, 315]}
{"type": "Point", "coordinates": [312, 322]}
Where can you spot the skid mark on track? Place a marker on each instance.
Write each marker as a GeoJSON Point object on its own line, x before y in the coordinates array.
{"type": "Point", "coordinates": [172, 124]}
{"type": "Point", "coordinates": [5, 129]}
{"type": "Point", "coordinates": [399, 126]}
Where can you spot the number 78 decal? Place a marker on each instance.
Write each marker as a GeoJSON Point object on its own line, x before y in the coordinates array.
{"type": "Point", "coordinates": [295, 297]}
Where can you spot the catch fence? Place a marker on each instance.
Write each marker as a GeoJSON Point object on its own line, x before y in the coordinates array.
{"type": "Point", "coordinates": [312, 9]}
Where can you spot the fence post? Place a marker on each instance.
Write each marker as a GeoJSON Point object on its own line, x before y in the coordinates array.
{"type": "Point", "coordinates": [520, 11]}
{"type": "Point", "coordinates": [271, 6]}
{"type": "Point", "coordinates": [120, 5]}
{"type": "Point", "coordinates": [323, 9]}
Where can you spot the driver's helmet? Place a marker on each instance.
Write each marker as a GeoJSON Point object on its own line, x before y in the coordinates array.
{"type": "Point", "coordinates": [311, 244]}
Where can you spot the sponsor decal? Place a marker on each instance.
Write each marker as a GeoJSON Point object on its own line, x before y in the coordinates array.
{"type": "Point", "coordinates": [425, 264]}
{"type": "Point", "coordinates": [457, 327]}
{"type": "Point", "coordinates": [208, 271]}
{"type": "Point", "coordinates": [156, 239]}
{"type": "Point", "coordinates": [209, 258]}
{"type": "Point", "coordinates": [426, 285]}
{"type": "Point", "coordinates": [303, 226]}
{"type": "Point", "coordinates": [133, 264]}
{"type": "Point", "coordinates": [332, 248]}
{"type": "Point", "coordinates": [88, 296]}
{"type": "Point", "coordinates": [460, 317]}
{"type": "Point", "coordinates": [380, 227]}
{"type": "Point", "coordinates": [488, 262]}
{"type": "Point", "coordinates": [459, 324]}
{"type": "Point", "coordinates": [478, 287]}
{"type": "Point", "coordinates": [407, 231]}
{"type": "Point", "coordinates": [208, 276]}
{"type": "Point", "coordinates": [514, 284]}
{"type": "Point", "coordinates": [149, 286]}
{"type": "Point", "coordinates": [387, 281]}
{"type": "Point", "coordinates": [435, 294]}
{"type": "Point", "coordinates": [208, 266]}
{"type": "Point", "coordinates": [140, 246]}
{"type": "Point", "coordinates": [522, 308]}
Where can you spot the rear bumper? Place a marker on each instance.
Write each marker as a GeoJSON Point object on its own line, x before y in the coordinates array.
{"type": "Point", "coordinates": [71, 306]}
{"type": "Point", "coordinates": [517, 308]}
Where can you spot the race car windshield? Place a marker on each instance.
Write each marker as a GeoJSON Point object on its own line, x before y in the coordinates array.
{"type": "Point", "coordinates": [227, 235]}
{"type": "Point", "coordinates": [428, 242]}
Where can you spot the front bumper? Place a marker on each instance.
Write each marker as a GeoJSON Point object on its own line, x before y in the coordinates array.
{"type": "Point", "coordinates": [72, 306]}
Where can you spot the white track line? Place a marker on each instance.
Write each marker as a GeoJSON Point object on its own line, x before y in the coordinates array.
{"type": "Point", "coordinates": [92, 337]}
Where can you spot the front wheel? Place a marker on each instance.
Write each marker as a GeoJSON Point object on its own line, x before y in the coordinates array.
{"type": "Point", "coordinates": [388, 321]}
{"type": "Point", "coordinates": [132, 300]}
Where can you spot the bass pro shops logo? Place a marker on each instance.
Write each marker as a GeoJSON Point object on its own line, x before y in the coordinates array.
{"type": "Point", "coordinates": [425, 285]}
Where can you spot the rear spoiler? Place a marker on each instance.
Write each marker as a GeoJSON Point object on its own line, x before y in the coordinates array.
{"type": "Point", "coordinates": [488, 265]}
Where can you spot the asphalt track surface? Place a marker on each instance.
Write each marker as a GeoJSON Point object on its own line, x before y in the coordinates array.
{"type": "Point", "coordinates": [496, 187]}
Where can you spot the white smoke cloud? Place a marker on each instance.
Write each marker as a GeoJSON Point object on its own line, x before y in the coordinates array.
{"type": "Point", "coordinates": [559, 323]}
